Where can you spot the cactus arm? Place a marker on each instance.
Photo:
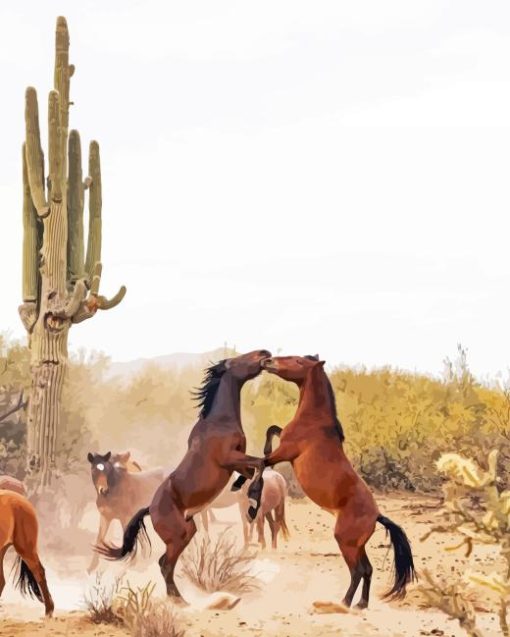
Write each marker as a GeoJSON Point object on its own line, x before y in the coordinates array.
{"type": "Point", "coordinates": [95, 204]}
{"type": "Point", "coordinates": [28, 315]}
{"type": "Point", "coordinates": [62, 74]}
{"type": "Point", "coordinates": [34, 154]}
{"type": "Point", "coordinates": [75, 196]}
{"type": "Point", "coordinates": [55, 159]}
{"type": "Point", "coordinates": [107, 304]}
{"type": "Point", "coordinates": [74, 301]}
{"type": "Point", "coordinates": [95, 301]}
{"type": "Point", "coordinates": [30, 239]}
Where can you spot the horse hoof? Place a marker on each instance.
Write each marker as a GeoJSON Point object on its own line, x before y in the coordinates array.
{"type": "Point", "coordinates": [361, 606]}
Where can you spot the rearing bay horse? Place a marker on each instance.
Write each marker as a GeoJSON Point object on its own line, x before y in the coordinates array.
{"type": "Point", "coordinates": [313, 443]}
{"type": "Point", "coordinates": [216, 448]}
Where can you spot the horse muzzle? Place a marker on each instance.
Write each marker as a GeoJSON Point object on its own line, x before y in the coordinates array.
{"type": "Point", "coordinates": [269, 365]}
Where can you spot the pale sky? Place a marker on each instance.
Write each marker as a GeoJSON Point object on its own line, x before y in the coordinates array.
{"type": "Point", "coordinates": [319, 176]}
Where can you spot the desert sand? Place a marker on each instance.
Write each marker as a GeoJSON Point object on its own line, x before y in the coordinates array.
{"type": "Point", "coordinates": [304, 569]}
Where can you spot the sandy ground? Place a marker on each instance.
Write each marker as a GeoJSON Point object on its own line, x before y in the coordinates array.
{"type": "Point", "coordinates": [304, 569]}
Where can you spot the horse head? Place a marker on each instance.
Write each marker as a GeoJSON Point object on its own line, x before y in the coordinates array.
{"type": "Point", "coordinates": [105, 471]}
{"type": "Point", "coordinates": [292, 368]}
{"type": "Point", "coordinates": [247, 366]}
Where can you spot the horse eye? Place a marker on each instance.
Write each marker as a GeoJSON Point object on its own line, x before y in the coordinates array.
{"type": "Point", "coordinates": [100, 466]}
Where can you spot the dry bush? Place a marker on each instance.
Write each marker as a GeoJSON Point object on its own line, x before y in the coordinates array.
{"type": "Point", "coordinates": [100, 602]}
{"type": "Point", "coordinates": [144, 616]}
{"type": "Point", "coordinates": [219, 566]}
{"type": "Point", "coordinates": [133, 608]}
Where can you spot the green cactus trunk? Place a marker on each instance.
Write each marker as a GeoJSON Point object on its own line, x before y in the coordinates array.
{"type": "Point", "coordinates": [58, 288]}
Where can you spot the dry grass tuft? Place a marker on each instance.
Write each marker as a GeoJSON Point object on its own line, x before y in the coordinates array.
{"type": "Point", "coordinates": [100, 602]}
{"type": "Point", "coordinates": [219, 566]}
{"type": "Point", "coordinates": [144, 616]}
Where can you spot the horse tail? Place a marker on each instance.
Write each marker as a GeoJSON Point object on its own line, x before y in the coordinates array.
{"type": "Point", "coordinates": [25, 580]}
{"type": "Point", "coordinates": [280, 508]}
{"type": "Point", "coordinates": [404, 565]}
{"type": "Point", "coordinates": [131, 537]}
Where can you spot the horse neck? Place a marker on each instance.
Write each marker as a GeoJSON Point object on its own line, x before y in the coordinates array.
{"type": "Point", "coordinates": [227, 402]}
{"type": "Point", "coordinates": [315, 403]}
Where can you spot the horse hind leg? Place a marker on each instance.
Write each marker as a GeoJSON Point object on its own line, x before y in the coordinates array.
{"type": "Point", "coordinates": [274, 526]}
{"type": "Point", "coordinates": [3, 551]}
{"type": "Point", "coordinates": [260, 530]}
{"type": "Point", "coordinates": [36, 577]}
{"type": "Point", "coordinates": [351, 539]}
{"type": "Point", "coordinates": [367, 579]}
{"type": "Point", "coordinates": [176, 532]}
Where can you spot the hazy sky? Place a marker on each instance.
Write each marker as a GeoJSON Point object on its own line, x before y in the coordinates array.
{"type": "Point", "coordinates": [326, 176]}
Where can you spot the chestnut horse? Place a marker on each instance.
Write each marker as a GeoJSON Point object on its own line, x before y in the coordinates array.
{"type": "Point", "coordinates": [313, 443]}
{"type": "Point", "coordinates": [122, 488]}
{"type": "Point", "coordinates": [216, 448]}
{"type": "Point", "coordinates": [19, 528]}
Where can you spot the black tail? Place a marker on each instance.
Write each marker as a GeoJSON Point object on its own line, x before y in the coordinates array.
{"type": "Point", "coordinates": [404, 565]}
{"type": "Point", "coordinates": [129, 545]}
{"type": "Point", "coordinates": [25, 581]}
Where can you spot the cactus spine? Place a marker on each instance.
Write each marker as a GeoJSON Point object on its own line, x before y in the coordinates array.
{"type": "Point", "coordinates": [59, 287]}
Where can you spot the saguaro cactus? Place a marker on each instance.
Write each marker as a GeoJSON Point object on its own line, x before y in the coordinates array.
{"type": "Point", "coordinates": [60, 284]}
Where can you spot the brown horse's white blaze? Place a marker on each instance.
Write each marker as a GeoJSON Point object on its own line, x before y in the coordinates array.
{"type": "Point", "coordinates": [216, 448]}
{"type": "Point", "coordinates": [19, 528]}
{"type": "Point", "coordinates": [313, 443]}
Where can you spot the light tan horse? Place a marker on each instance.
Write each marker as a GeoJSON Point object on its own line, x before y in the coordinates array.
{"type": "Point", "coordinates": [122, 488]}
{"type": "Point", "coordinates": [273, 499]}
{"type": "Point", "coordinates": [19, 528]}
{"type": "Point", "coordinates": [8, 483]}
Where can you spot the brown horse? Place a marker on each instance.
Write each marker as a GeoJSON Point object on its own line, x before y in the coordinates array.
{"type": "Point", "coordinates": [216, 448]}
{"type": "Point", "coordinates": [19, 528]}
{"type": "Point", "coordinates": [313, 443]}
{"type": "Point", "coordinates": [122, 488]}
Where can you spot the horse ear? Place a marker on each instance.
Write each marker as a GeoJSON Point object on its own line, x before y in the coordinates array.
{"type": "Point", "coordinates": [317, 357]}
{"type": "Point", "coordinates": [107, 456]}
{"type": "Point", "coordinates": [90, 457]}
{"type": "Point", "coordinates": [124, 457]}
{"type": "Point", "coordinates": [320, 363]}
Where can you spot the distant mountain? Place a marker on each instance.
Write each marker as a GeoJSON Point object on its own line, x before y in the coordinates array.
{"type": "Point", "coordinates": [178, 360]}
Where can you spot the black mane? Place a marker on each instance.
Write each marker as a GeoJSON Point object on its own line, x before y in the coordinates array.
{"type": "Point", "coordinates": [337, 423]}
{"type": "Point", "coordinates": [205, 394]}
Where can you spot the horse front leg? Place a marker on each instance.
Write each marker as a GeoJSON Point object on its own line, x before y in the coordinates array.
{"type": "Point", "coordinates": [238, 461]}
{"type": "Point", "coordinates": [272, 431]}
{"type": "Point", "coordinates": [104, 525]}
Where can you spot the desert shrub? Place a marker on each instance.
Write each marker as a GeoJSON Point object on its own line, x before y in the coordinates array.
{"type": "Point", "coordinates": [100, 602]}
{"type": "Point", "coordinates": [479, 511]}
{"type": "Point", "coordinates": [219, 565]}
{"type": "Point", "coordinates": [134, 608]}
{"type": "Point", "coordinates": [143, 615]}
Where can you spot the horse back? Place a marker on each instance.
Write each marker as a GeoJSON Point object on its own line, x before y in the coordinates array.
{"type": "Point", "coordinates": [9, 483]}
{"type": "Point", "coordinates": [18, 519]}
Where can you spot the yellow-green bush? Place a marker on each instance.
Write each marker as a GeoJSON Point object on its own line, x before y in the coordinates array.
{"type": "Point", "coordinates": [396, 423]}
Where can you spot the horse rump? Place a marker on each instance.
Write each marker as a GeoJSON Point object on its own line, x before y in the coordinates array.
{"type": "Point", "coordinates": [25, 581]}
{"type": "Point", "coordinates": [135, 533]}
{"type": "Point", "coordinates": [404, 565]}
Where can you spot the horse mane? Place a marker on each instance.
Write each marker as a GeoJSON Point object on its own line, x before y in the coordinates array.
{"type": "Point", "coordinates": [206, 393]}
{"type": "Point", "coordinates": [338, 425]}
{"type": "Point", "coordinates": [336, 422]}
